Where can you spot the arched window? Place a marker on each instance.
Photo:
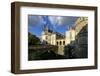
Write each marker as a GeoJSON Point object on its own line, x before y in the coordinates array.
{"type": "Point", "coordinates": [63, 42]}
{"type": "Point", "coordinates": [60, 42]}
{"type": "Point", "coordinates": [57, 42]}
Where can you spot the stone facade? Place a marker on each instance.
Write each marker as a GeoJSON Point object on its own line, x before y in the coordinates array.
{"type": "Point", "coordinates": [55, 38]}
{"type": "Point", "coordinates": [74, 43]}
{"type": "Point", "coordinates": [78, 45]}
{"type": "Point", "coordinates": [81, 44]}
{"type": "Point", "coordinates": [81, 39]}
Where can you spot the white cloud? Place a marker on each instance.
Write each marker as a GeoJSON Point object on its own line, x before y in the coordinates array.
{"type": "Point", "coordinates": [54, 20]}
{"type": "Point", "coordinates": [59, 20]}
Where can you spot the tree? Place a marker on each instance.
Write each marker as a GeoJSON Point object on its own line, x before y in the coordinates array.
{"type": "Point", "coordinates": [33, 40]}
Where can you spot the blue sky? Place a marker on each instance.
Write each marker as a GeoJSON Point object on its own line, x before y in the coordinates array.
{"type": "Point", "coordinates": [56, 23]}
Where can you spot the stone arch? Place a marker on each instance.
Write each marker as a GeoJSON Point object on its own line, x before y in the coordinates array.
{"type": "Point", "coordinates": [60, 42]}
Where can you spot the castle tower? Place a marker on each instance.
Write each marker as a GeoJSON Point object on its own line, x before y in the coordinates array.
{"type": "Point", "coordinates": [44, 35]}
{"type": "Point", "coordinates": [67, 36]}
{"type": "Point", "coordinates": [53, 39]}
{"type": "Point", "coordinates": [46, 29]}
{"type": "Point", "coordinates": [72, 34]}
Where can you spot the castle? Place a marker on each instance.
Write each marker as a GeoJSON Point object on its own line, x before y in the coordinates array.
{"type": "Point", "coordinates": [55, 38]}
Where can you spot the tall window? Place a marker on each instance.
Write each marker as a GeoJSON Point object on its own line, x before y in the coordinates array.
{"type": "Point", "coordinates": [60, 42]}
{"type": "Point", "coordinates": [63, 42]}
{"type": "Point", "coordinates": [57, 42]}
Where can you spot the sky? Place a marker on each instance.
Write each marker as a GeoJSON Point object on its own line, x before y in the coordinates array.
{"type": "Point", "coordinates": [56, 23]}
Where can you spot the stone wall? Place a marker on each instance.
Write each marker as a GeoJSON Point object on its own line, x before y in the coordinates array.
{"type": "Point", "coordinates": [78, 48]}
{"type": "Point", "coordinates": [81, 44]}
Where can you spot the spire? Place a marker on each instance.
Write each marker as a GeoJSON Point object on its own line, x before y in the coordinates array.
{"type": "Point", "coordinates": [67, 27]}
{"type": "Point", "coordinates": [45, 28]}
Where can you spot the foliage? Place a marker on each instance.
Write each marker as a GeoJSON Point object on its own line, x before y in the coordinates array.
{"type": "Point", "coordinates": [33, 40]}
